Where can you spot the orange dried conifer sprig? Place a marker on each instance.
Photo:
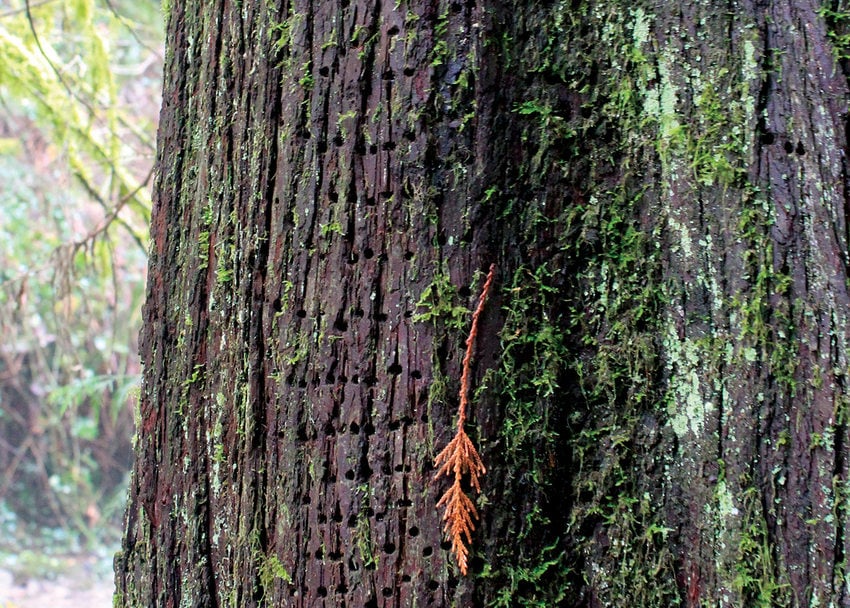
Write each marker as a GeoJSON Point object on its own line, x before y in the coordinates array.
{"type": "Point", "coordinates": [460, 457]}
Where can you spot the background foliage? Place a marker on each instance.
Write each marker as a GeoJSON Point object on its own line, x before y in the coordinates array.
{"type": "Point", "coordinates": [79, 96]}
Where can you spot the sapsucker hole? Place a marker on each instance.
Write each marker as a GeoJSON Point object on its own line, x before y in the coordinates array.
{"type": "Point", "coordinates": [409, 71]}
{"type": "Point", "coordinates": [427, 551]}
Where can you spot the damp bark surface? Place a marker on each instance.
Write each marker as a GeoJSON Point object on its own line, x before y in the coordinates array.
{"type": "Point", "coordinates": [660, 374]}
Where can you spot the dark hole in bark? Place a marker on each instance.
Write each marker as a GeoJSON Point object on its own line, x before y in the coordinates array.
{"type": "Point", "coordinates": [408, 314]}
{"type": "Point", "coordinates": [452, 582]}
{"type": "Point", "coordinates": [355, 428]}
{"type": "Point", "coordinates": [373, 149]}
{"type": "Point", "coordinates": [368, 253]}
{"type": "Point", "coordinates": [394, 370]}
{"type": "Point", "coordinates": [301, 432]}
{"type": "Point", "coordinates": [423, 418]}
{"type": "Point", "coordinates": [388, 75]}
{"type": "Point", "coordinates": [388, 145]}
{"type": "Point", "coordinates": [464, 292]}
{"type": "Point", "coordinates": [387, 194]}
{"type": "Point", "coordinates": [416, 374]}
{"type": "Point", "coordinates": [433, 585]}
{"type": "Point", "coordinates": [370, 201]}
{"type": "Point", "coordinates": [306, 500]}
{"type": "Point", "coordinates": [352, 521]}
{"type": "Point", "coordinates": [322, 592]}
{"type": "Point", "coordinates": [338, 141]}
{"type": "Point", "coordinates": [409, 135]}
{"type": "Point", "coordinates": [330, 378]}
{"type": "Point", "coordinates": [383, 258]}
{"type": "Point", "coordinates": [445, 545]}
{"type": "Point", "coordinates": [399, 468]}
{"type": "Point", "coordinates": [372, 603]}
{"type": "Point", "coordinates": [369, 512]}
{"type": "Point", "coordinates": [355, 379]}
{"type": "Point", "coordinates": [349, 474]}
{"type": "Point", "coordinates": [389, 547]}
{"type": "Point", "coordinates": [340, 324]}
{"type": "Point", "coordinates": [392, 31]}
{"type": "Point", "coordinates": [365, 472]}
{"type": "Point", "coordinates": [441, 239]}
{"type": "Point", "coordinates": [409, 255]}
{"type": "Point", "coordinates": [302, 383]}
{"type": "Point", "coordinates": [301, 313]}
{"type": "Point", "coordinates": [330, 431]}
{"type": "Point", "coordinates": [342, 379]}
{"type": "Point", "coordinates": [341, 589]}
{"type": "Point", "coordinates": [387, 592]}
{"type": "Point", "coordinates": [370, 381]}
{"type": "Point", "coordinates": [319, 554]}
{"type": "Point", "coordinates": [395, 424]}
{"type": "Point", "coordinates": [767, 138]}
{"type": "Point", "coordinates": [586, 111]}
{"type": "Point", "coordinates": [321, 518]}
{"type": "Point", "coordinates": [360, 148]}
{"type": "Point", "coordinates": [405, 578]}
{"type": "Point", "coordinates": [800, 150]}
{"type": "Point", "coordinates": [379, 517]}
{"type": "Point", "coordinates": [352, 565]}
{"type": "Point", "coordinates": [404, 502]}
{"type": "Point", "coordinates": [369, 428]}
{"type": "Point", "coordinates": [386, 470]}
{"type": "Point", "coordinates": [427, 552]}
{"type": "Point", "coordinates": [789, 147]}
{"type": "Point", "coordinates": [324, 70]}
{"type": "Point", "coordinates": [409, 71]}
{"type": "Point", "coordinates": [381, 317]}
{"type": "Point", "coordinates": [333, 196]}
{"type": "Point", "coordinates": [413, 531]}
{"type": "Point", "coordinates": [359, 312]}
{"type": "Point", "coordinates": [457, 7]}
{"type": "Point", "coordinates": [277, 304]}
{"type": "Point", "coordinates": [335, 556]}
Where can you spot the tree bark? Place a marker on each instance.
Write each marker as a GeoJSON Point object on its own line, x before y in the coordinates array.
{"type": "Point", "coordinates": [660, 373]}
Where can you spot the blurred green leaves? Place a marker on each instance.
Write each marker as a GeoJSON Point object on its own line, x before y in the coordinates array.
{"type": "Point", "coordinates": [79, 98]}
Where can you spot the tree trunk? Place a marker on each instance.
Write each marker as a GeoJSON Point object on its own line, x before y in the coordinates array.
{"type": "Point", "coordinates": [660, 373]}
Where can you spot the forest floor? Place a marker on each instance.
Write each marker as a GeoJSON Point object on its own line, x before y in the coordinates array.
{"type": "Point", "coordinates": [71, 582]}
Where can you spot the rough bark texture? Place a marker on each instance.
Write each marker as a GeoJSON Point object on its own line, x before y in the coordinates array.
{"type": "Point", "coordinates": [662, 366]}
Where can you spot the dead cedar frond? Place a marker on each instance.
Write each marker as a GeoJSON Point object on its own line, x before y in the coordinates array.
{"type": "Point", "coordinates": [460, 457]}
